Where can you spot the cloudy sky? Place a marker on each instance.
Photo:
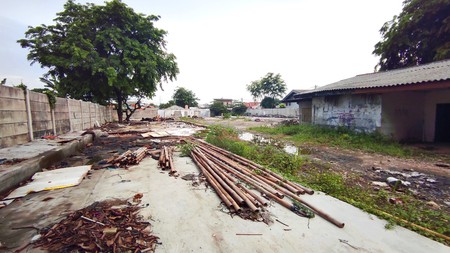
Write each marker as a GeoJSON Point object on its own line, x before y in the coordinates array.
{"type": "Point", "coordinates": [221, 46]}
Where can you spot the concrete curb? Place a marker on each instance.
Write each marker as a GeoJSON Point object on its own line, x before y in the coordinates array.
{"type": "Point", "coordinates": [25, 170]}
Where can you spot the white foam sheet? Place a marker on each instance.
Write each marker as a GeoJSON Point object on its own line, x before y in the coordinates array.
{"type": "Point", "coordinates": [51, 180]}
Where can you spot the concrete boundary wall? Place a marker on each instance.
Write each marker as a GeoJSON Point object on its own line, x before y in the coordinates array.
{"type": "Point", "coordinates": [26, 115]}
{"type": "Point", "coordinates": [276, 112]}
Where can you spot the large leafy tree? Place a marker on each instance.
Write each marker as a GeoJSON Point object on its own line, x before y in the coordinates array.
{"type": "Point", "coordinates": [420, 34]}
{"type": "Point", "coordinates": [270, 85]}
{"type": "Point", "coordinates": [183, 96]}
{"type": "Point", "coordinates": [102, 53]}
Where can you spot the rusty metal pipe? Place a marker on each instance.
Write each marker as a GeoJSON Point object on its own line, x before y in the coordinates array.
{"type": "Point", "coordinates": [232, 183]}
{"type": "Point", "coordinates": [255, 196]}
{"type": "Point", "coordinates": [240, 169]}
{"type": "Point", "coordinates": [216, 188]}
{"type": "Point", "coordinates": [257, 166]}
{"type": "Point", "coordinates": [219, 179]}
{"type": "Point", "coordinates": [221, 185]}
{"type": "Point", "coordinates": [317, 211]}
{"type": "Point", "coordinates": [251, 178]}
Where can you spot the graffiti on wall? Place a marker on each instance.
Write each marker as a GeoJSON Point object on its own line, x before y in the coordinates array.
{"type": "Point", "coordinates": [364, 117]}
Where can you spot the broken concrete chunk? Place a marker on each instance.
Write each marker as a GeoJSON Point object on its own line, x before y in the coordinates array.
{"type": "Point", "coordinates": [431, 180]}
{"type": "Point", "coordinates": [433, 205]}
{"type": "Point", "coordinates": [394, 181]}
{"type": "Point", "coordinates": [380, 184]}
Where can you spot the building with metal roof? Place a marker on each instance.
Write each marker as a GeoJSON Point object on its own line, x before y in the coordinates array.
{"type": "Point", "coordinates": [407, 104]}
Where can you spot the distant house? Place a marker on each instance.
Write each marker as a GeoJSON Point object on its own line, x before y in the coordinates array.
{"type": "Point", "coordinates": [252, 105]}
{"type": "Point", "coordinates": [176, 111]}
{"type": "Point", "coordinates": [289, 99]}
{"type": "Point", "coordinates": [225, 101]}
{"type": "Point", "coordinates": [406, 104]}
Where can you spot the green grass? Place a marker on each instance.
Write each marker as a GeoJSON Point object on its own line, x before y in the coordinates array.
{"type": "Point", "coordinates": [340, 137]}
{"type": "Point", "coordinates": [349, 188]}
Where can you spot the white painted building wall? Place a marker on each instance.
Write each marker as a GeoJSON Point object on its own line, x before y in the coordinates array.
{"type": "Point", "coordinates": [359, 112]}
{"type": "Point", "coordinates": [276, 112]}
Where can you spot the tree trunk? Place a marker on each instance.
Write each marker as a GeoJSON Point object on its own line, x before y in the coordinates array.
{"type": "Point", "coordinates": [119, 106]}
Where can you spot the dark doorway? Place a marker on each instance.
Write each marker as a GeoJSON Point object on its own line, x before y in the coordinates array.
{"type": "Point", "coordinates": [442, 133]}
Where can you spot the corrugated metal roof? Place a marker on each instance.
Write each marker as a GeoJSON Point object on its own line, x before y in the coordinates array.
{"type": "Point", "coordinates": [436, 71]}
{"type": "Point", "coordinates": [291, 94]}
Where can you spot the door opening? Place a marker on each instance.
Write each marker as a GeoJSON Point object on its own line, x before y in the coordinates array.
{"type": "Point", "coordinates": [442, 127]}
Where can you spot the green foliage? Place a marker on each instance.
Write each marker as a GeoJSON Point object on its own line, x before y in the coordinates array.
{"type": "Point", "coordinates": [21, 86]}
{"type": "Point", "coordinates": [282, 105]}
{"type": "Point", "coordinates": [239, 109]}
{"type": "Point", "coordinates": [269, 102]}
{"type": "Point", "coordinates": [339, 137]}
{"type": "Point", "coordinates": [268, 86]}
{"type": "Point", "coordinates": [166, 105]}
{"type": "Point", "coordinates": [227, 115]}
{"type": "Point", "coordinates": [186, 149]}
{"type": "Point", "coordinates": [102, 52]}
{"type": "Point", "coordinates": [217, 108]}
{"type": "Point", "coordinates": [420, 34]}
{"type": "Point", "coordinates": [51, 95]}
{"type": "Point", "coordinates": [183, 96]}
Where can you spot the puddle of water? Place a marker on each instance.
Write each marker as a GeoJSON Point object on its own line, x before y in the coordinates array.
{"type": "Point", "coordinates": [246, 136]}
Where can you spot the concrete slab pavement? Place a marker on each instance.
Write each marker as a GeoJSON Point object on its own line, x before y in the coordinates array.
{"type": "Point", "coordinates": [190, 219]}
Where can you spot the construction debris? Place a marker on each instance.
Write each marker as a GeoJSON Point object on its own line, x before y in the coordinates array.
{"type": "Point", "coordinates": [166, 159]}
{"type": "Point", "coordinates": [51, 180]}
{"type": "Point", "coordinates": [230, 175]}
{"type": "Point", "coordinates": [127, 158]}
{"type": "Point", "coordinates": [101, 227]}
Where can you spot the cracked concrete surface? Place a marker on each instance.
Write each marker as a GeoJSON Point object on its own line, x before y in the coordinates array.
{"type": "Point", "coordinates": [189, 219]}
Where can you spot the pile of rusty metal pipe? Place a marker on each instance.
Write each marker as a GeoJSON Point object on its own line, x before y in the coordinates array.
{"type": "Point", "coordinates": [227, 173]}
{"type": "Point", "coordinates": [166, 159]}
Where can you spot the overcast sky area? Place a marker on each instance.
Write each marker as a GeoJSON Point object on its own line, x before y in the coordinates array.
{"type": "Point", "coordinates": [221, 46]}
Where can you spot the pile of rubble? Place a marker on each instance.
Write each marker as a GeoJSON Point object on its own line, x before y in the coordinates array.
{"type": "Point", "coordinates": [110, 226]}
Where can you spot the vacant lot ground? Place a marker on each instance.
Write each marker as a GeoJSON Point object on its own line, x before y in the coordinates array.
{"type": "Point", "coordinates": [429, 175]}
{"type": "Point", "coordinates": [189, 217]}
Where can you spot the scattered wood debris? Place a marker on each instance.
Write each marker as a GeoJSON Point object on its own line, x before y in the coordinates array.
{"type": "Point", "coordinates": [110, 226]}
{"type": "Point", "coordinates": [126, 159]}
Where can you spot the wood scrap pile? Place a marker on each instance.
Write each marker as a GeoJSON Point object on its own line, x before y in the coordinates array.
{"type": "Point", "coordinates": [129, 158]}
{"type": "Point", "coordinates": [108, 226]}
{"type": "Point", "coordinates": [230, 175]}
{"type": "Point", "coordinates": [166, 159]}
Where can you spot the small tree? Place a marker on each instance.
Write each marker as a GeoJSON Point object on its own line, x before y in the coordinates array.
{"type": "Point", "coordinates": [269, 102]}
{"type": "Point", "coordinates": [268, 86]}
{"type": "Point", "coordinates": [166, 105]}
{"type": "Point", "coordinates": [239, 109]}
{"type": "Point", "coordinates": [183, 97]}
{"type": "Point", "coordinates": [217, 108]}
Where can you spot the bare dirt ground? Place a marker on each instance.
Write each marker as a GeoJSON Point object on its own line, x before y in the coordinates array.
{"type": "Point", "coordinates": [428, 177]}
